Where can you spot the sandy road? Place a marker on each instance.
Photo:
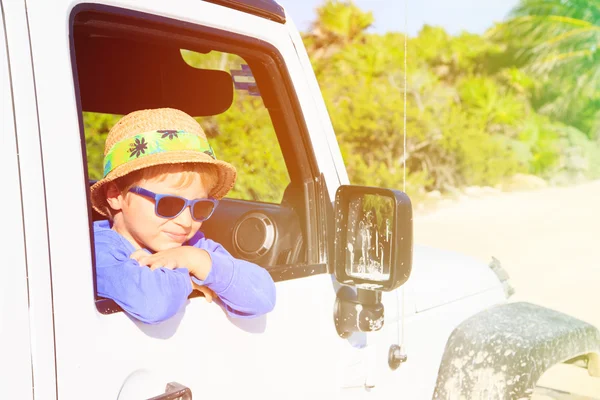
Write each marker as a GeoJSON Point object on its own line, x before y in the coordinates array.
{"type": "Point", "coordinates": [549, 242]}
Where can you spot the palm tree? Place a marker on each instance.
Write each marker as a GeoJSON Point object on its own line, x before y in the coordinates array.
{"type": "Point", "coordinates": [560, 36]}
{"type": "Point", "coordinates": [558, 41]}
{"type": "Point", "coordinates": [338, 23]}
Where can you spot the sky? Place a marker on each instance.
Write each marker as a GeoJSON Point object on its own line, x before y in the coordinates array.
{"type": "Point", "coordinates": [455, 16]}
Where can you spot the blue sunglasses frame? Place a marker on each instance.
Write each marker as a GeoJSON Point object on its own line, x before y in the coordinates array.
{"type": "Point", "coordinates": [187, 203]}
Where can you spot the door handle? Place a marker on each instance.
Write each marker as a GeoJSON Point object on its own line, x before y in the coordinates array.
{"type": "Point", "coordinates": [174, 391]}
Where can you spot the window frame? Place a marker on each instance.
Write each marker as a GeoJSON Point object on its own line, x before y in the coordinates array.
{"type": "Point", "coordinates": [289, 125]}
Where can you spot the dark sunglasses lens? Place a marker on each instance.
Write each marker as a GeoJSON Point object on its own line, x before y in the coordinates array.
{"type": "Point", "coordinates": [203, 209]}
{"type": "Point", "coordinates": [169, 206]}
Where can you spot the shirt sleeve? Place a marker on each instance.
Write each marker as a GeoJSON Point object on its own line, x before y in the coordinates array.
{"type": "Point", "coordinates": [150, 296]}
{"type": "Point", "coordinates": [245, 289]}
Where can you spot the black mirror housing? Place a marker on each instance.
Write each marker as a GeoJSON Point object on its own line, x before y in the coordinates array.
{"type": "Point", "coordinates": [373, 237]}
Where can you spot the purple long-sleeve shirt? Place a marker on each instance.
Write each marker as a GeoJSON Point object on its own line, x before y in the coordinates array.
{"type": "Point", "coordinates": [245, 289]}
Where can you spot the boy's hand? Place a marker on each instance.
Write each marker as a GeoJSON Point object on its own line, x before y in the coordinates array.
{"type": "Point", "coordinates": [208, 294]}
{"type": "Point", "coordinates": [197, 261]}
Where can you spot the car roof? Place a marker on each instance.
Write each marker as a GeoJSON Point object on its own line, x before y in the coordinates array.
{"type": "Point", "coordinates": [268, 9]}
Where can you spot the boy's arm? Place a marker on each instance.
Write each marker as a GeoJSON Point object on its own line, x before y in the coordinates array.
{"type": "Point", "coordinates": [150, 296]}
{"type": "Point", "coordinates": [246, 289]}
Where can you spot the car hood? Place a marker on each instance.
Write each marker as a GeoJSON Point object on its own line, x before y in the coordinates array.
{"type": "Point", "coordinates": [440, 276]}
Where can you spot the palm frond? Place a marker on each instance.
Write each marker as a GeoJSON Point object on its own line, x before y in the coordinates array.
{"type": "Point", "coordinates": [587, 10]}
{"type": "Point", "coordinates": [556, 60]}
{"type": "Point", "coordinates": [572, 34]}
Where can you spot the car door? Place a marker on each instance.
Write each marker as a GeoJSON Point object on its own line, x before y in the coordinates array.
{"type": "Point", "coordinates": [374, 378]}
{"type": "Point", "coordinates": [16, 377]}
{"type": "Point", "coordinates": [293, 351]}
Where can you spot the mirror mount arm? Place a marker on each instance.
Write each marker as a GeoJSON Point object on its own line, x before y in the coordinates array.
{"type": "Point", "coordinates": [368, 297]}
{"type": "Point", "coordinates": [360, 311]}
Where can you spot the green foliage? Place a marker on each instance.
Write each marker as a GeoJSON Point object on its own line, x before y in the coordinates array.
{"type": "Point", "coordinates": [472, 112]}
{"type": "Point", "coordinates": [462, 122]}
{"type": "Point", "coordinates": [96, 127]}
{"type": "Point", "coordinates": [579, 158]}
{"type": "Point", "coordinates": [245, 137]}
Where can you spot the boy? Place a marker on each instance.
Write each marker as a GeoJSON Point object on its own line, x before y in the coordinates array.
{"type": "Point", "coordinates": [161, 181]}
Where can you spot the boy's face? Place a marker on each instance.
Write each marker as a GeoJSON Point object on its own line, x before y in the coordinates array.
{"type": "Point", "coordinates": [139, 223]}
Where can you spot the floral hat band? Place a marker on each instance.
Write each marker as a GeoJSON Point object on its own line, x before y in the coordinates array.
{"type": "Point", "coordinates": [154, 142]}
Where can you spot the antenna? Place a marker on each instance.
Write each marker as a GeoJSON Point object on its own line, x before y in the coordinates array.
{"type": "Point", "coordinates": [397, 353]}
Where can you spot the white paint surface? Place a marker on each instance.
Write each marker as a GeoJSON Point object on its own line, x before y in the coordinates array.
{"type": "Point", "coordinates": [15, 359]}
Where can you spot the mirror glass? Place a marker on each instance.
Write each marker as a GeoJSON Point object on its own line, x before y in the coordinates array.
{"type": "Point", "coordinates": [369, 238]}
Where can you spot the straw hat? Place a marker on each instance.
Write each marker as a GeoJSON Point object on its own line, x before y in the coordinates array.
{"type": "Point", "coordinates": [146, 138]}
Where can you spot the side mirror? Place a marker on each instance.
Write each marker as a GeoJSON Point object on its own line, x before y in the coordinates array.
{"type": "Point", "coordinates": [373, 252]}
{"type": "Point", "coordinates": [374, 237]}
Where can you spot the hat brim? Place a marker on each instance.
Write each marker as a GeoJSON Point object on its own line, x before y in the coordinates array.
{"type": "Point", "coordinates": [227, 174]}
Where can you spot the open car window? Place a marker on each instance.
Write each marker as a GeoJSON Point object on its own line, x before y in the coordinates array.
{"type": "Point", "coordinates": [240, 92]}
{"type": "Point", "coordinates": [242, 135]}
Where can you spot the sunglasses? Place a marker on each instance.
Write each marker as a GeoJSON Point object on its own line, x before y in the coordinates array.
{"type": "Point", "coordinates": [169, 206]}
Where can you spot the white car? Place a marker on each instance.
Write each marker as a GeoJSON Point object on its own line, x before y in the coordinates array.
{"type": "Point", "coordinates": [359, 313]}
